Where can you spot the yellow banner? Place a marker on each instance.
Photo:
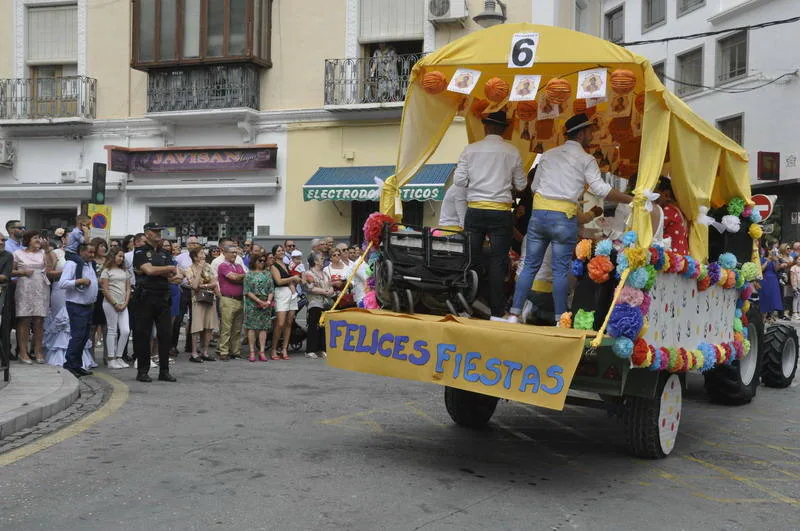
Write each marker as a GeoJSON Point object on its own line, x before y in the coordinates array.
{"type": "Point", "coordinates": [530, 364]}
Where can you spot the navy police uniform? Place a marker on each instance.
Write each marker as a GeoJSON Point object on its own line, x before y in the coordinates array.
{"type": "Point", "coordinates": [152, 303]}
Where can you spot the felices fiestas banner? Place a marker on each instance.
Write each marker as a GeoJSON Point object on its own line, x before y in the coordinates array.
{"type": "Point", "coordinates": [528, 364]}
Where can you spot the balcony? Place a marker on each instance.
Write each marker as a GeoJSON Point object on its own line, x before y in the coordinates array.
{"type": "Point", "coordinates": [203, 88]}
{"type": "Point", "coordinates": [367, 81]}
{"type": "Point", "coordinates": [47, 100]}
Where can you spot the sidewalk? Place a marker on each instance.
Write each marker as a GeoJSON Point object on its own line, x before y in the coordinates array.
{"type": "Point", "coordinates": [35, 392]}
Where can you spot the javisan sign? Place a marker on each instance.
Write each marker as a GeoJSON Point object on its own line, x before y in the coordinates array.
{"type": "Point", "coordinates": [198, 159]}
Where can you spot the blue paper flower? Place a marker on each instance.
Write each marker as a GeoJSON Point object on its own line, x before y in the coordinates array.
{"type": "Point", "coordinates": [659, 265]}
{"type": "Point", "coordinates": [746, 333]}
{"type": "Point", "coordinates": [709, 356]}
{"type": "Point", "coordinates": [727, 260]}
{"type": "Point", "coordinates": [638, 278]}
{"type": "Point", "coordinates": [755, 217]}
{"type": "Point", "coordinates": [625, 321]}
{"type": "Point", "coordinates": [738, 313]}
{"type": "Point", "coordinates": [604, 247]}
{"type": "Point", "coordinates": [629, 238]}
{"type": "Point", "coordinates": [622, 264]}
{"type": "Point", "coordinates": [578, 268]}
{"type": "Point", "coordinates": [656, 365]}
{"type": "Point", "coordinates": [691, 267]}
{"type": "Point", "coordinates": [714, 272]}
{"type": "Point", "coordinates": [623, 347]}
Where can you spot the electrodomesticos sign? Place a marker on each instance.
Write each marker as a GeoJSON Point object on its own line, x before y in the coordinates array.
{"type": "Point", "coordinates": [495, 359]}
{"type": "Point", "coordinates": [370, 193]}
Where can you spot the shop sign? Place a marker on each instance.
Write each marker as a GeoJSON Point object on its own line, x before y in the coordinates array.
{"type": "Point", "coordinates": [370, 193]}
{"type": "Point", "coordinates": [214, 159]}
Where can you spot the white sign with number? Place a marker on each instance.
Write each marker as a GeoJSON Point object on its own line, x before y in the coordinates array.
{"type": "Point", "coordinates": [523, 50]}
{"type": "Point", "coordinates": [525, 88]}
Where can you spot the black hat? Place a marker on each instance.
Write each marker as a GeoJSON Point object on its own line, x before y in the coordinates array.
{"type": "Point", "coordinates": [496, 118]}
{"type": "Point", "coordinates": [152, 225]}
{"type": "Point", "coordinates": [577, 122]}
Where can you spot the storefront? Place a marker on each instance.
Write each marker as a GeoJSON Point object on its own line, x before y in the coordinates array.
{"type": "Point", "coordinates": [356, 189]}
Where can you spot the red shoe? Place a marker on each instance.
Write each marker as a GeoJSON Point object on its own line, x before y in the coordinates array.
{"type": "Point", "coordinates": [262, 356]}
{"type": "Point", "coordinates": [275, 357]}
{"type": "Point", "coordinates": [252, 357]}
{"type": "Point", "coordinates": [285, 356]}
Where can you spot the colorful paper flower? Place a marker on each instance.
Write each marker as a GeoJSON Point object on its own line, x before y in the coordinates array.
{"type": "Point", "coordinates": [604, 247]}
{"type": "Point", "coordinates": [623, 347]}
{"type": "Point", "coordinates": [622, 264]}
{"type": "Point", "coordinates": [736, 206]}
{"type": "Point", "coordinates": [748, 211]}
{"type": "Point", "coordinates": [631, 296]}
{"type": "Point", "coordinates": [755, 217]}
{"type": "Point", "coordinates": [665, 264]}
{"type": "Point", "coordinates": [577, 268]}
{"type": "Point", "coordinates": [676, 262]}
{"type": "Point", "coordinates": [714, 272]}
{"type": "Point", "coordinates": [638, 278]}
{"type": "Point", "coordinates": [651, 277]}
{"type": "Point", "coordinates": [625, 321]}
{"type": "Point", "coordinates": [373, 227]}
{"type": "Point", "coordinates": [732, 223]}
{"type": "Point", "coordinates": [690, 270]}
{"type": "Point", "coordinates": [730, 281]}
{"type": "Point", "coordinates": [727, 260]}
{"type": "Point", "coordinates": [655, 365]}
{"type": "Point", "coordinates": [699, 359]}
{"type": "Point", "coordinates": [737, 325]}
{"type": "Point", "coordinates": [747, 292]}
{"type": "Point", "coordinates": [703, 272]}
{"type": "Point", "coordinates": [709, 356]}
{"type": "Point", "coordinates": [583, 320]}
{"type": "Point", "coordinates": [640, 351]}
{"type": "Point", "coordinates": [749, 271]}
{"type": "Point", "coordinates": [657, 257]}
{"type": "Point", "coordinates": [755, 231]}
{"type": "Point", "coordinates": [637, 257]}
{"type": "Point", "coordinates": [599, 268]}
{"type": "Point", "coordinates": [703, 283]}
{"type": "Point", "coordinates": [746, 347]}
{"type": "Point", "coordinates": [645, 306]}
{"type": "Point", "coordinates": [739, 279]}
{"type": "Point", "coordinates": [738, 349]}
{"type": "Point", "coordinates": [583, 251]}
{"type": "Point", "coordinates": [565, 321]}
{"type": "Point", "coordinates": [629, 238]}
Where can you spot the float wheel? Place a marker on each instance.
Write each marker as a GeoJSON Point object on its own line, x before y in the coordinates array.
{"type": "Point", "coordinates": [468, 409]}
{"type": "Point", "coordinates": [780, 356]}
{"type": "Point", "coordinates": [651, 424]}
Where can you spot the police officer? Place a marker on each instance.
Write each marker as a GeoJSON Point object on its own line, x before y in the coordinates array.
{"type": "Point", "coordinates": [153, 269]}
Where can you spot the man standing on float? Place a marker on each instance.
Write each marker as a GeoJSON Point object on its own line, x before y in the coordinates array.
{"type": "Point", "coordinates": [487, 169]}
{"type": "Point", "coordinates": [561, 178]}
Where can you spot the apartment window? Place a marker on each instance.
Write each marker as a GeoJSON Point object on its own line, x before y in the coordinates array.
{"type": "Point", "coordinates": [52, 35]}
{"type": "Point", "coordinates": [186, 32]}
{"type": "Point", "coordinates": [732, 57]}
{"type": "Point", "coordinates": [689, 72]}
{"type": "Point", "coordinates": [685, 6]}
{"type": "Point", "coordinates": [615, 25]}
{"type": "Point", "coordinates": [733, 127]}
{"type": "Point", "coordinates": [391, 20]}
{"type": "Point", "coordinates": [654, 12]}
{"type": "Point", "coordinates": [581, 16]}
{"type": "Point", "coordinates": [660, 70]}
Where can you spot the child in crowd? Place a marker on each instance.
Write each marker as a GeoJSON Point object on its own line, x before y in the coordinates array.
{"type": "Point", "coordinates": [296, 268]}
{"type": "Point", "coordinates": [79, 235]}
{"type": "Point", "coordinates": [795, 280]}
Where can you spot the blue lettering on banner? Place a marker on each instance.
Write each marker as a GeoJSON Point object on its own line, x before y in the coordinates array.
{"type": "Point", "coordinates": [556, 373]}
{"type": "Point", "coordinates": [492, 364]}
{"type": "Point", "coordinates": [399, 346]}
{"type": "Point", "coordinates": [421, 347]}
{"type": "Point", "coordinates": [443, 351]}
{"type": "Point", "coordinates": [513, 366]}
{"type": "Point", "coordinates": [385, 338]}
{"type": "Point", "coordinates": [457, 368]}
{"type": "Point", "coordinates": [362, 335]}
{"type": "Point", "coordinates": [469, 367]}
{"type": "Point", "coordinates": [335, 327]}
{"type": "Point", "coordinates": [530, 377]}
{"type": "Point", "coordinates": [348, 338]}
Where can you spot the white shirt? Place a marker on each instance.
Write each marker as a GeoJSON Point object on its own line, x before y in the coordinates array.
{"type": "Point", "coordinates": [184, 262]}
{"type": "Point", "coordinates": [359, 282]}
{"type": "Point", "coordinates": [215, 263]}
{"type": "Point", "coordinates": [454, 207]}
{"type": "Point", "coordinates": [78, 294]}
{"type": "Point", "coordinates": [565, 170]}
{"type": "Point", "coordinates": [129, 266]}
{"type": "Point", "coordinates": [488, 168]}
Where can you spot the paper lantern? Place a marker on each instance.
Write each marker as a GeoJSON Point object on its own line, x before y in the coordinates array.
{"type": "Point", "coordinates": [545, 129]}
{"type": "Point", "coordinates": [623, 81]}
{"type": "Point", "coordinates": [527, 110]}
{"type": "Point", "coordinates": [639, 102]}
{"type": "Point", "coordinates": [557, 90]}
{"type": "Point", "coordinates": [620, 129]}
{"type": "Point", "coordinates": [496, 89]}
{"type": "Point", "coordinates": [478, 106]}
{"type": "Point", "coordinates": [434, 82]}
{"type": "Point", "coordinates": [579, 106]}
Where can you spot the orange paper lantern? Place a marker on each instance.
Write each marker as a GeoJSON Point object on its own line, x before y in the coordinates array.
{"type": "Point", "coordinates": [527, 110]}
{"type": "Point", "coordinates": [434, 82]}
{"type": "Point", "coordinates": [478, 106]}
{"type": "Point", "coordinates": [496, 89]}
{"type": "Point", "coordinates": [557, 90]}
{"type": "Point", "coordinates": [622, 81]}
{"type": "Point", "coordinates": [579, 106]}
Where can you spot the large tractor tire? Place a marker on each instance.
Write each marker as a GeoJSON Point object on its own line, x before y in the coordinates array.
{"type": "Point", "coordinates": [780, 356]}
{"type": "Point", "coordinates": [651, 424]}
{"type": "Point", "coordinates": [468, 409]}
{"type": "Point", "coordinates": [736, 384]}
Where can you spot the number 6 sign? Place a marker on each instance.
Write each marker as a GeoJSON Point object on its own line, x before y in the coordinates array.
{"type": "Point", "coordinates": [523, 50]}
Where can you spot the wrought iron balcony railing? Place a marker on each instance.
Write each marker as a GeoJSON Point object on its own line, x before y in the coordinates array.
{"type": "Point", "coordinates": [354, 81]}
{"type": "Point", "coordinates": [203, 88]}
{"type": "Point", "coordinates": [48, 98]}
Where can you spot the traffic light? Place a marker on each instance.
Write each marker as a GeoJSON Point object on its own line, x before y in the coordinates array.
{"type": "Point", "coordinates": [98, 183]}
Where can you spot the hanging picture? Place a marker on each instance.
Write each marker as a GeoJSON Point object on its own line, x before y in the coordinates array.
{"type": "Point", "coordinates": [594, 102]}
{"type": "Point", "coordinates": [592, 83]}
{"type": "Point", "coordinates": [620, 106]}
{"type": "Point", "coordinates": [464, 81]}
{"type": "Point", "coordinates": [547, 110]}
{"type": "Point", "coordinates": [525, 88]}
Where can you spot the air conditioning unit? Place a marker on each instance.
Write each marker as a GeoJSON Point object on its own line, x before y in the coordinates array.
{"type": "Point", "coordinates": [6, 154]}
{"type": "Point", "coordinates": [444, 11]}
{"type": "Point", "coordinates": [69, 176]}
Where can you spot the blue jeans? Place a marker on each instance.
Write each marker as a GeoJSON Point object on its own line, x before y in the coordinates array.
{"type": "Point", "coordinates": [80, 322]}
{"type": "Point", "coordinates": [547, 227]}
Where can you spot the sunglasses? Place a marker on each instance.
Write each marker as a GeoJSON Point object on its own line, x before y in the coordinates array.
{"type": "Point", "coordinates": [291, 246]}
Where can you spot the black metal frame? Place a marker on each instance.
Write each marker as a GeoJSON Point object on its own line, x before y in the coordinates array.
{"type": "Point", "coordinates": [204, 87]}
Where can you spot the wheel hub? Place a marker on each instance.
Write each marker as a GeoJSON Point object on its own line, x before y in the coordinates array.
{"type": "Point", "coordinates": [748, 364]}
{"type": "Point", "coordinates": [670, 413]}
{"type": "Point", "coordinates": [789, 355]}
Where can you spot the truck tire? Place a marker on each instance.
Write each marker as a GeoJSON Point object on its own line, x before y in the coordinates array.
{"type": "Point", "coordinates": [736, 384]}
{"type": "Point", "coordinates": [651, 424]}
{"type": "Point", "coordinates": [780, 356]}
{"type": "Point", "coordinates": [468, 409]}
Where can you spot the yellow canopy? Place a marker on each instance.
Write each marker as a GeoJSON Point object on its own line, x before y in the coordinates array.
{"type": "Point", "coordinates": [639, 130]}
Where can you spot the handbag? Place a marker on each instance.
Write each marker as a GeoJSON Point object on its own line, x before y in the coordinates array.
{"type": "Point", "coordinates": [205, 296]}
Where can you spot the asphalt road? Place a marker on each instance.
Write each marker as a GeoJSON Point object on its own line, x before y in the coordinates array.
{"type": "Point", "coordinates": [298, 445]}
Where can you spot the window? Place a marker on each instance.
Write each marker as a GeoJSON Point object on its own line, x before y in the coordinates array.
{"type": "Point", "coordinates": [732, 57]}
{"type": "Point", "coordinates": [689, 72]}
{"type": "Point", "coordinates": [660, 70]}
{"type": "Point", "coordinates": [615, 25]}
{"type": "Point", "coordinates": [186, 32]}
{"type": "Point", "coordinates": [654, 12]}
{"type": "Point", "coordinates": [52, 35]}
{"type": "Point", "coordinates": [733, 127]}
{"type": "Point", "coordinates": [685, 6]}
{"type": "Point", "coordinates": [391, 20]}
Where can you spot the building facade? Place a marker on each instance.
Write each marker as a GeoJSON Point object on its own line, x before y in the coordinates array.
{"type": "Point", "coordinates": [214, 114]}
{"type": "Point", "coordinates": [745, 82]}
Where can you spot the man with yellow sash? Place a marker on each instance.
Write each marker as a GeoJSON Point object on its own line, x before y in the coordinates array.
{"type": "Point", "coordinates": [563, 174]}
{"type": "Point", "coordinates": [487, 169]}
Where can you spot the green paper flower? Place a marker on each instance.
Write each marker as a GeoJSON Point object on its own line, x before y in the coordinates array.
{"type": "Point", "coordinates": [583, 320]}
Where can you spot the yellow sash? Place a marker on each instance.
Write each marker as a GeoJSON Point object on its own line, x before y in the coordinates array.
{"type": "Point", "coordinates": [543, 286]}
{"type": "Point", "coordinates": [569, 208]}
{"type": "Point", "coordinates": [490, 205]}
{"type": "Point", "coordinates": [454, 228]}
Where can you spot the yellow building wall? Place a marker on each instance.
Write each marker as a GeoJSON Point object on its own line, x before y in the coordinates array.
{"type": "Point", "coordinates": [6, 39]}
{"type": "Point", "coordinates": [312, 146]}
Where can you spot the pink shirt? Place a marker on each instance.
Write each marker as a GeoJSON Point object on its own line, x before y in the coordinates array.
{"type": "Point", "coordinates": [226, 287]}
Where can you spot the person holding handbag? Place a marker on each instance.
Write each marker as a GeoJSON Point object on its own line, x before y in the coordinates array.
{"type": "Point", "coordinates": [320, 293]}
{"type": "Point", "coordinates": [204, 314]}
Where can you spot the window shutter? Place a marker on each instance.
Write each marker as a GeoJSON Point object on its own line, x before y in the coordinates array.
{"type": "Point", "coordinates": [52, 35]}
{"type": "Point", "coordinates": [391, 20]}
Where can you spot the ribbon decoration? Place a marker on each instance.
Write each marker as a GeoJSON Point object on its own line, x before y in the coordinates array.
{"type": "Point", "coordinates": [375, 195]}
{"type": "Point", "coordinates": [704, 219]}
{"type": "Point", "coordinates": [650, 198]}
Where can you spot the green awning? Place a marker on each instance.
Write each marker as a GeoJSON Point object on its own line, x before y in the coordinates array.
{"type": "Point", "coordinates": [357, 183]}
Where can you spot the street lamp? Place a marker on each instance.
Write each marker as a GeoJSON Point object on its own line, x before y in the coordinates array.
{"type": "Point", "coordinates": [490, 17]}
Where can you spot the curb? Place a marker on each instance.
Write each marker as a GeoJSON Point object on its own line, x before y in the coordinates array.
{"type": "Point", "coordinates": [34, 394]}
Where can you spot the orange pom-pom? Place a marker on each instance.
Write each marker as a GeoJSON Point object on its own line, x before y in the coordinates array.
{"type": "Point", "coordinates": [434, 82]}
{"type": "Point", "coordinates": [527, 110]}
{"type": "Point", "coordinates": [478, 106]}
{"type": "Point", "coordinates": [557, 90]}
{"type": "Point", "coordinates": [731, 280]}
{"type": "Point", "coordinates": [565, 321]}
{"type": "Point", "coordinates": [496, 89]}
{"type": "Point", "coordinates": [583, 251]}
{"type": "Point", "coordinates": [579, 106]}
{"type": "Point", "coordinates": [599, 268]}
{"type": "Point", "coordinates": [622, 81]}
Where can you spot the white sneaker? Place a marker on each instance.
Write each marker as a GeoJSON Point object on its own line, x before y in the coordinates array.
{"type": "Point", "coordinates": [527, 308]}
{"type": "Point", "coordinates": [323, 355]}
{"type": "Point", "coordinates": [112, 364]}
{"type": "Point", "coordinates": [512, 319]}
{"type": "Point", "coordinates": [311, 355]}
{"type": "Point", "coordinates": [122, 364]}
{"type": "Point", "coordinates": [497, 319]}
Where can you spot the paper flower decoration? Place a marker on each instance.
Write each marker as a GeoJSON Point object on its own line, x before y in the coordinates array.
{"type": "Point", "coordinates": [736, 206]}
{"type": "Point", "coordinates": [638, 278]}
{"type": "Point", "coordinates": [645, 306]}
{"type": "Point", "coordinates": [373, 227]}
{"type": "Point", "coordinates": [577, 268]}
{"type": "Point", "coordinates": [748, 211]}
{"type": "Point", "coordinates": [604, 247]}
{"type": "Point", "coordinates": [625, 321]}
{"type": "Point", "coordinates": [629, 238]}
{"type": "Point", "coordinates": [732, 223]}
{"type": "Point", "coordinates": [565, 321]}
{"type": "Point", "coordinates": [651, 277]}
{"type": "Point", "coordinates": [583, 320]}
{"type": "Point", "coordinates": [703, 283]}
{"type": "Point", "coordinates": [637, 257]}
{"type": "Point", "coordinates": [599, 269]}
{"type": "Point", "coordinates": [755, 231]}
{"type": "Point", "coordinates": [730, 281]}
{"type": "Point", "coordinates": [622, 264]}
{"type": "Point", "coordinates": [755, 217]}
{"type": "Point", "coordinates": [709, 354]}
{"type": "Point", "coordinates": [631, 296]}
{"type": "Point", "coordinates": [496, 89]}
{"type": "Point", "coordinates": [640, 351]}
{"type": "Point", "coordinates": [623, 347]}
{"type": "Point", "coordinates": [584, 249]}
{"type": "Point", "coordinates": [714, 272]}
{"type": "Point", "coordinates": [727, 260]}
{"type": "Point", "coordinates": [434, 82]}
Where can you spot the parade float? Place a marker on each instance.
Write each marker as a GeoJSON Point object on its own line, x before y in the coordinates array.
{"type": "Point", "coordinates": [642, 315]}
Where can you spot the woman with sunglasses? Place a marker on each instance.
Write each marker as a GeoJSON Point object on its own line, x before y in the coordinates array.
{"type": "Point", "coordinates": [258, 294]}
{"type": "Point", "coordinates": [285, 304]}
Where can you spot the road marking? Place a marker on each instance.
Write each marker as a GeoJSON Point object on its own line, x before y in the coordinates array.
{"type": "Point", "coordinates": [516, 433]}
{"type": "Point", "coordinates": [746, 481]}
{"type": "Point", "coordinates": [423, 415]}
{"type": "Point", "coordinates": [119, 395]}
